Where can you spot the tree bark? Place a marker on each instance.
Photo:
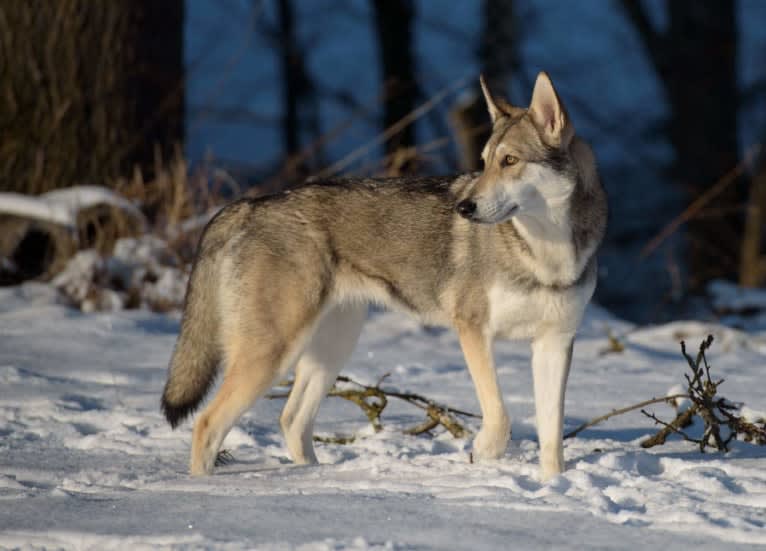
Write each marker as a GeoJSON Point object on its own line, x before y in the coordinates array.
{"type": "Point", "coordinates": [498, 61]}
{"type": "Point", "coordinates": [300, 109]}
{"type": "Point", "coordinates": [696, 62]}
{"type": "Point", "coordinates": [291, 77]}
{"type": "Point", "coordinates": [393, 22]}
{"type": "Point", "coordinates": [87, 89]}
{"type": "Point", "coordinates": [497, 47]}
{"type": "Point", "coordinates": [753, 260]}
{"type": "Point", "coordinates": [156, 82]}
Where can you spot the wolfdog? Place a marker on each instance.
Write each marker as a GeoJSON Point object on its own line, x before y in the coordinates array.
{"type": "Point", "coordinates": [285, 281]}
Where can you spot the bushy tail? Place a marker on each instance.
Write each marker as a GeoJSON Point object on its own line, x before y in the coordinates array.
{"type": "Point", "coordinates": [197, 354]}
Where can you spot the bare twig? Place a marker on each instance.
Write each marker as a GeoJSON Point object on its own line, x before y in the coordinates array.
{"type": "Point", "coordinates": [342, 440]}
{"type": "Point", "coordinates": [699, 203]}
{"type": "Point", "coordinates": [615, 412]}
{"type": "Point", "coordinates": [668, 428]}
{"type": "Point", "coordinates": [615, 345]}
{"type": "Point", "coordinates": [426, 426]}
{"type": "Point", "coordinates": [373, 400]}
{"type": "Point", "coordinates": [391, 131]}
{"type": "Point", "coordinates": [717, 413]}
{"type": "Point", "coordinates": [223, 457]}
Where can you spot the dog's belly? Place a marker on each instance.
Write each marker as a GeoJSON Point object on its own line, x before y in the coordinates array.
{"type": "Point", "coordinates": [523, 314]}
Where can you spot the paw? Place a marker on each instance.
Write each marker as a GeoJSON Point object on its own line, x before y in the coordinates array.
{"type": "Point", "coordinates": [303, 455]}
{"type": "Point", "coordinates": [301, 449]}
{"type": "Point", "coordinates": [203, 459]}
{"type": "Point", "coordinates": [201, 467]}
{"type": "Point", "coordinates": [306, 459]}
{"type": "Point", "coordinates": [551, 463]}
{"type": "Point", "coordinates": [491, 442]}
{"type": "Point", "coordinates": [549, 471]}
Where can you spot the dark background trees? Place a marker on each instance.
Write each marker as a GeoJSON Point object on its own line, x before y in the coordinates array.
{"type": "Point", "coordinates": [393, 25]}
{"type": "Point", "coordinates": [670, 93]}
{"type": "Point", "coordinates": [695, 58]}
{"type": "Point", "coordinates": [88, 90]}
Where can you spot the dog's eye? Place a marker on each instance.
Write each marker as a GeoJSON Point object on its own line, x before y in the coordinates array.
{"type": "Point", "coordinates": [509, 160]}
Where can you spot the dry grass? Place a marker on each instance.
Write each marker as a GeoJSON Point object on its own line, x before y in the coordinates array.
{"type": "Point", "coordinates": [75, 83]}
{"type": "Point", "coordinates": [50, 89]}
{"type": "Point", "coordinates": [176, 205]}
{"type": "Point", "coordinates": [177, 202]}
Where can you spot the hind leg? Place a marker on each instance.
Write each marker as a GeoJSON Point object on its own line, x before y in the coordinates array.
{"type": "Point", "coordinates": [328, 350]}
{"type": "Point", "coordinates": [248, 376]}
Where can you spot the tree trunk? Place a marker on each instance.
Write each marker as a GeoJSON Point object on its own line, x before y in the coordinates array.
{"type": "Point", "coordinates": [300, 111]}
{"type": "Point", "coordinates": [753, 258]}
{"type": "Point", "coordinates": [291, 76]}
{"type": "Point", "coordinates": [696, 61]}
{"type": "Point", "coordinates": [393, 21]}
{"type": "Point", "coordinates": [703, 95]}
{"type": "Point", "coordinates": [498, 61]}
{"type": "Point", "coordinates": [87, 89]}
{"type": "Point", "coordinates": [497, 48]}
{"type": "Point", "coordinates": [157, 81]}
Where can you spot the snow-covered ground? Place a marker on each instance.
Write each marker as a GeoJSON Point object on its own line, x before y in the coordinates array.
{"type": "Point", "coordinates": [87, 461]}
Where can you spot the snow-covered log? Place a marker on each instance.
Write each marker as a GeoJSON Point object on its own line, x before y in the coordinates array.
{"type": "Point", "coordinates": [38, 234]}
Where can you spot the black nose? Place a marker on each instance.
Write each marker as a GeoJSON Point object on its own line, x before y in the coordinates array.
{"type": "Point", "coordinates": [466, 208]}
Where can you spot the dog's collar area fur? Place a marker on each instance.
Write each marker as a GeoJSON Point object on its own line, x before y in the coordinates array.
{"type": "Point", "coordinates": [548, 253]}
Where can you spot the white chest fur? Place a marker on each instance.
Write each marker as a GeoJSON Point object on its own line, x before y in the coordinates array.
{"type": "Point", "coordinates": [554, 260]}
{"type": "Point", "coordinates": [523, 314]}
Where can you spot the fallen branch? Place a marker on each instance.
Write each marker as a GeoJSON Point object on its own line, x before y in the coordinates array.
{"type": "Point", "coordinates": [615, 412]}
{"type": "Point", "coordinates": [717, 413]}
{"type": "Point", "coordinates": [372, 400]}
{"type": "Point", "coordinates": [337, 439]}
{"type": "Point", "coordinates": [675, 426]}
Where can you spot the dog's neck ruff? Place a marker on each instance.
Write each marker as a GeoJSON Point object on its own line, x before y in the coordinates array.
{"type": "Point", "coordinates": [550, 252]}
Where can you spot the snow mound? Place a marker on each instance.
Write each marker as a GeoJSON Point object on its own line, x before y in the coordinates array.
{"type": "Point", "coordinates": [140, 272]}
{"type": "Point", "coordinates": [62, 206]}
{"type": "Point", "coordinates": [28, 206]}
{"type": "Point", "coordinates": [733, 298]}
{"type": "Point", "coordinates": [738, 306]}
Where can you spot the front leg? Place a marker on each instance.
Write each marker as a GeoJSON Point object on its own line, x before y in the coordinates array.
{"type": "Point", "coordinates": [551, 356]}
{"type": "Point", "coordinates": [492, 439]}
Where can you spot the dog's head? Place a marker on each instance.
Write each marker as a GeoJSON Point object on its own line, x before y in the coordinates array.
{"type": "Point", "coordinates": [526, 159]}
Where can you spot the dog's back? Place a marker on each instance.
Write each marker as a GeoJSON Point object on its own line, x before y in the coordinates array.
{"type": "Point", "coordinates": [286, 279]}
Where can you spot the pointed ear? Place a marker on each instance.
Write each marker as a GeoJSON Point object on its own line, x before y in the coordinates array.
{"type": "Point", "coordinates": [549, 115]}
{"type": "Point", "coordinates": [494, 110]}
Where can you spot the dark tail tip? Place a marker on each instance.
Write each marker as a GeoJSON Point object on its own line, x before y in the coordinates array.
{"type": "Point", "coordinates": [175, 413]}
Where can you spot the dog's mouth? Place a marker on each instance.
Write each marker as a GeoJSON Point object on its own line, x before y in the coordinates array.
{"type": "Point", "coordinates": [496, 217]}
{"type": "Point", "coordinates": [510, 213]}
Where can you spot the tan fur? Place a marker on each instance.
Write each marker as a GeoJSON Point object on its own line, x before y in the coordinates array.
{"type": "Point", "coordinates": [492, 440]}
{"type": "Point", "coordinates": [284, 281]}
{"type": "Point", "coordinates": [326, 353]}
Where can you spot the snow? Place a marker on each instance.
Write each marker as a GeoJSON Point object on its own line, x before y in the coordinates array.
{"type": "Point", "coordinates": [738, 306]}
{"type": "Point", "coordinates": [87, 461]}
{"type": "Point", "coordinates": [33, 207]}
{"type": "Point", "coordinates": [143, 269]}
{"type": "Point", "coordinates": [74, 198]}
{"type": "Point", "coordinates": [732, 297]}
{"type": "Point", "coordinates": [61, 206]}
